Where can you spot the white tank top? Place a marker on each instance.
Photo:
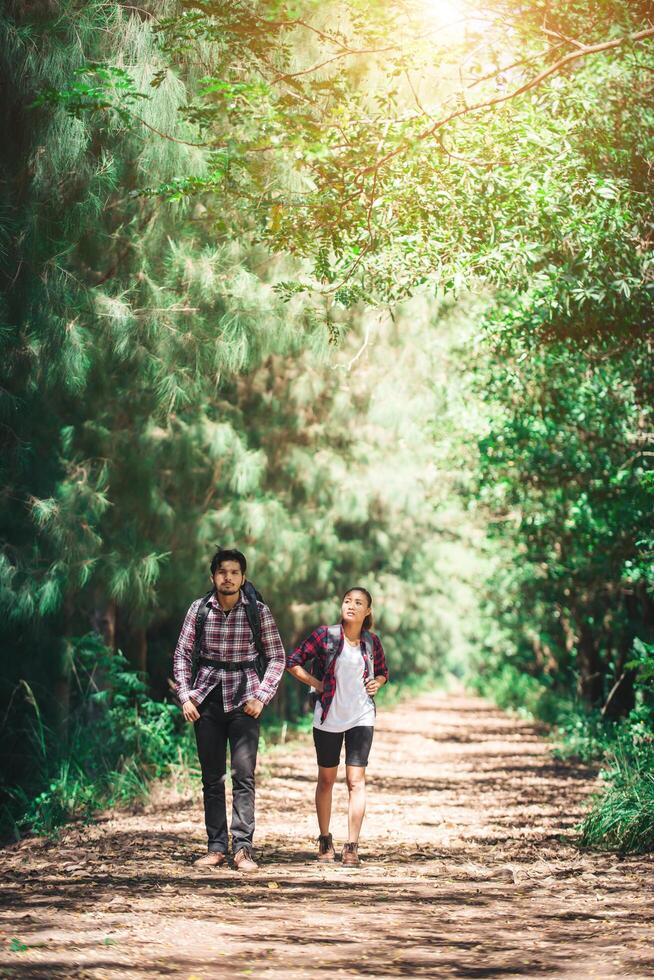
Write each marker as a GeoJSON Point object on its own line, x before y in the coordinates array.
{"type": "Point", "coordinates": [351, 705]}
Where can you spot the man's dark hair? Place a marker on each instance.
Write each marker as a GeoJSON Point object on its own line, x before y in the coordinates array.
{"type": "Point", "coordinates": [228, 554]}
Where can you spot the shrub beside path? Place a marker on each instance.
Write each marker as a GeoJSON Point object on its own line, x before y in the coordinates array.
{"type": "Point", "coordinates": [469, 871]}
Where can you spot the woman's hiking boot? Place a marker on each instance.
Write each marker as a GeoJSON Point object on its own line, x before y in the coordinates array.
{"type": "Point", "coordinates": [244, 861]}
{"type": "Point", "coordinates": [326, 849]}
{"type": "Point", "coordinates": [213, 859]}
{"type": "Point", "coordinates": [350, 855]}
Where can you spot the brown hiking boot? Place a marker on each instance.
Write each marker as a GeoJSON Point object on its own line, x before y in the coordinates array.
{"type": "Point", "coordinates": [326, 849]}
{"type": "Point", "coordinates": [244, 861]}
{"type": "Point", "coordinates": [213, 859]}
{"type": "Point", "coordinates": [350, 855]}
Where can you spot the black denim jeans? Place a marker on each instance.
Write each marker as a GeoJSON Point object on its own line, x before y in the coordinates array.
{"type": "Point", "coordinates": [213, 731]}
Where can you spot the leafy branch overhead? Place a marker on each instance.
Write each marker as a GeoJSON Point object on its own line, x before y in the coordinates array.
{"type": "Point", "coordinates": [362, 287]}
{"type": "Point", "coordinates": [404, 137]}
{"type": "Point", "coordinates": [96, 89]}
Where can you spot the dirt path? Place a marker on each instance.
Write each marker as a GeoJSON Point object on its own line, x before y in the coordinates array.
{"type": "Point", "coordinates": [465, 874]}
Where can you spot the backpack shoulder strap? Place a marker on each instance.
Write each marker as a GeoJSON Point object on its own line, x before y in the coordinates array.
{"type": "Point", "coordinates": [200, 619]}
{"type": "Point", "coordinates": [369, 654]}
{"type": "Point", "coordinates": [254, 616]}
{"type": "Point", "coordinates": [333, 643]}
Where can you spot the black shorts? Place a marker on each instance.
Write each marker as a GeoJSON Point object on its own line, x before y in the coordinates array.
{"type": "Point", "coordinates": [357, 746]}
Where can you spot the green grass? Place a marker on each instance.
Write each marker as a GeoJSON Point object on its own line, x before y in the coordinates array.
{"type": "Point", "coordinates": [622, 817]}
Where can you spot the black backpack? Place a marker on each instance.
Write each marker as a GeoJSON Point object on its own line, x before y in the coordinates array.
{"type": "Point", "coordinates": [254, 620]}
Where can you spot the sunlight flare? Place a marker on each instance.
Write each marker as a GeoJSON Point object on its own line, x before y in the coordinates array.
{"type": "Point", "coordinates": [446, 11]}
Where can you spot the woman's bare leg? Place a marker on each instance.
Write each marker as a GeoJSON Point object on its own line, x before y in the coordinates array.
{"type": "Point", "coordinates": [324, 787]}
{"type": "Point", "coordinates": [356, 785]}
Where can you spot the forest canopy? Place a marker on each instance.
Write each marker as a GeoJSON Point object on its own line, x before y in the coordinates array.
{"type": "Point", "coordinates": [361, 287]}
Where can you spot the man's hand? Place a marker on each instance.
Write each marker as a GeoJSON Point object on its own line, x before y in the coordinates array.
{"type": "Point", "coordinates": [191, 713]}
{"type": "Point", "coordinates": [253, 707]}
{"type": "Point", "coordinates": [372, 686]}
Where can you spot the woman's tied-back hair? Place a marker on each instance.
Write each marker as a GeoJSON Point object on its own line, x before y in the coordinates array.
{"type": "Point", "coordinates": [368, 621]}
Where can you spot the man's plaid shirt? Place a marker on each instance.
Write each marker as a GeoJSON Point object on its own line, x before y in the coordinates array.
{"type": "Point", "coordinates": [228, 638]}
{"type": "Point", "coordinates": [318, 646]}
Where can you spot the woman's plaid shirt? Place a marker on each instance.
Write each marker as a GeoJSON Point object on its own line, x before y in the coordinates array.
{"type": "Point", "coordinates": [228, 638]}
{"type": "Point", "coordinates": [318, 646]}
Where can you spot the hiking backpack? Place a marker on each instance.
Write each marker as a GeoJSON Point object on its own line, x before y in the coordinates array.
{"type": "Point", "coordinates": [253, 596]}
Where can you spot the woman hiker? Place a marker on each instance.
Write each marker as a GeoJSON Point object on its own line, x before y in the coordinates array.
{"type": "Point", "coordinates": [348, 669]}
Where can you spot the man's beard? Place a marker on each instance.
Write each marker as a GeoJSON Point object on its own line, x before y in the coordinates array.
{"type": "Point", "coordinates": [225, 591]}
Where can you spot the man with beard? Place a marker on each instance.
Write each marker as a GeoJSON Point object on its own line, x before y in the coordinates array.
{"type": "Point", "coordinates": [226, 698]}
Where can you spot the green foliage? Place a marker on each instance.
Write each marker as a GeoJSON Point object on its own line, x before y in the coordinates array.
{"type": "Point", "coordinates": [117, 739]}
{"type": "Point", "coordinates": [643, 664]}
{"type": "Point", "coordinates": [99, 88]}
{"type": "Point", "coordinates": [211, 212]}
{"type": "Point", "coordinates": [513, 689]}
{"type": "Point", "coordinates": [162, 396]}
{"type": "Point", "coordinates": [622, 817]}
{"type": "Point", "coordinates": [562, 477]}
{"type": "Point", "coordinates": [394, 149]}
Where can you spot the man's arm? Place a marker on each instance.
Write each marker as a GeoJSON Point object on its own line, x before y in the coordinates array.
{"type": "Point", "coordinates": [183, 657]}
{"type": "Point", "coordinates": [275, 654]}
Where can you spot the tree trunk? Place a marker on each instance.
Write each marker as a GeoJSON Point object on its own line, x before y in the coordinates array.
{"type": "Point", "coordinates": [590, 666]}
{"type": "Point", "coordinates": [61, 694]}
{"type": "Point", "coordinates": [136, 649]}
{"type": "Point", "coordinates": [104, 621]}
{"type": "Point", "coordinates": [621, 697]}
{"type": "Point", "coordinates": [280, 700]}
{"type": "Point", "coordinates": [61, 690]}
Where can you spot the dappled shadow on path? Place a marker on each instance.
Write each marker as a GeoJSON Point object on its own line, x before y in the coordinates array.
{"type": "Point", "coordinates": [468, 871]}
